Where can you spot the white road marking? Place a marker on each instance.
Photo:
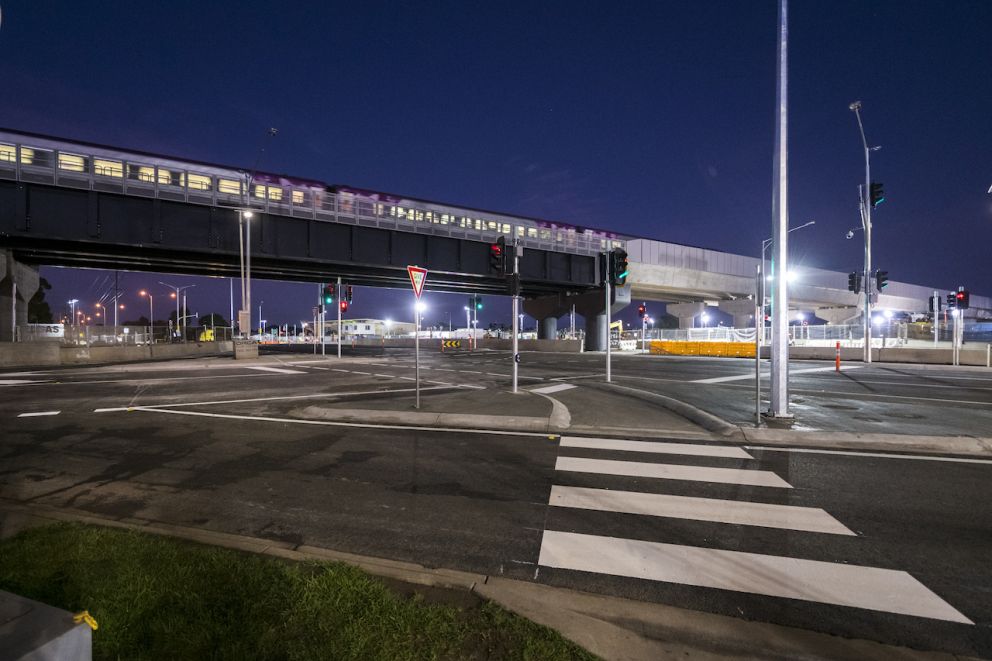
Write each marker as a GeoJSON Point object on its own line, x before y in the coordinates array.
{"type": "Point", "coordinates": [365, 373]}
{"type": "Point", "coordinates": [577, 376]}
{"type": "Point", "coordinates": [546, 390]}
{"type": "Point", "coordinates": [338, 369]}
{"type": "Point", "coordinates": [385, 376]}
{"type": "Point", "coordinates": [406, 378]}
{"type": "Point", "coordinates": [277, 370]}
{"type": "Point", "coordinates": [651, 446]}
{"type": "Point", "coordinates": [328, 395]}
{"type": "Point", "coordinates": [741, 377]}
{"type": "Point", "coordinates": [329, 423]}
{"type": "Point", "coordinates": [18, 382]}
{"type": "Point", "coordinates": [872, 588]}
{"type": "Point", "coordinates": [881, 455]}
{"type": "Point", "coordinates": [756, 478]}
{"type": "Point", "coordinates": [319, 368]}
{"type": "Point", "coordinates": [37, 414]}
{"type": "Point", "coordinates": [787, 517]}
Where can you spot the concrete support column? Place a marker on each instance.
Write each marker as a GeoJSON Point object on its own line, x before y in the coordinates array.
{"type": "Point", "coordinates": [685, 312]}
{"type": "Point", "coordinates": [597, 334]}
{"type": "Point", "coordinates": [547, 329]}
{"type": "Point", "coordinates": [839, 316]}
{"type": "Point", "coordinates": [742, 309]}
{"type": "Point", "coordinates": [19, 278]}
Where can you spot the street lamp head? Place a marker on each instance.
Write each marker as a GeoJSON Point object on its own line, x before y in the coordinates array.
{"type": "Point", "coordinates": [850, 234]}
{"type": "Point", "coordinates": [855, 106]}
{"type": "Point", "coordinates": [142, 293]}
{"type": "Point", "coordinates": [248, 215]}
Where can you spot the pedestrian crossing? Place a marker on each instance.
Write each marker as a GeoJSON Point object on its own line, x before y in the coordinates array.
{"type": "Point", "coordinates": [658, 485]}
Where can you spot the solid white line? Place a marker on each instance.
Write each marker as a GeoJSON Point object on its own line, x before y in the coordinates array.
{"type": "Point", "coordinates": [755, 478]}
{"type": "Point", "coordinates": [881, 455]}
{"type": "Point", "coordinates": [329, 423]}
{"type": "Point", "coordinates": [741, 377]}
{"type": "Point", "coordinates": [577, 376]}
{"type": "Point", "coordinates": [546, 390]}
{"type": "Point", "coordinates": [651, 446]}
{"type": "Point", "coordinates": [872, 588]}
{"type": "Point", "coordinates": [18, 382]}
{"type": "Point", "coordinates": [277, 370]}
{"type": "Point", "coordinates": [787, 517]}
{"type": "Point", "coordinates": [37, 414]}
{"type": "Point", "coordinates": [328, 395]}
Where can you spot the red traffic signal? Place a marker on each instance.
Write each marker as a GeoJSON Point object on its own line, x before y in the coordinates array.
{"type": "Point", "coordinates": [642, 310]}
{"type": "Point", "coordinates": [344, 306]}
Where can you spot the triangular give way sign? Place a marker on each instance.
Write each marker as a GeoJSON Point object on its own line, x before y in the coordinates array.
{"type": "Point", "coordinates": [418, 277]}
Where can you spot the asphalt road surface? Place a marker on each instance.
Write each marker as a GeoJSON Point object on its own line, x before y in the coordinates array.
{"type": "Point", "coordinates": [891, 548]}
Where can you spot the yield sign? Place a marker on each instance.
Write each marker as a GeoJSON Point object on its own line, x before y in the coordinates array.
{"type": "Point", "coordinates": [418, 276]}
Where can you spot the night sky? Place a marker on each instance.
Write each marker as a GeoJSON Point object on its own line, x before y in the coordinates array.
{"type": "Point", "coordinates": [651, 118]}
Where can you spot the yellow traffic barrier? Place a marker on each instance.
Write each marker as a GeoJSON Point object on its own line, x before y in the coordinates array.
{"type": "Point", "coordinates": [451, 344]}
{"type": "Point", "coordinates": [719, 349]}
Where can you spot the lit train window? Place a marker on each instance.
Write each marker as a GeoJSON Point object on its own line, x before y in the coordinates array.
{"type": "Point", "coordinates": [532, 232]}
{"type": "Point", "coordinates": [545, 234]}
{"type": "Point", "coordinates": [107, 168]}
{"type": "Point", "coordinates": [273, 192]}
{"type": "Point", "coordinates": [72, 162]}
{"type": "Point", "coordinates": [229, 186]}
{"type": "Point", "coordinates": [297, 197]}
{"type": "Point", "coordinates": [419, 215]}
{"type": "Point", "coordinates": [8, 153]}
{"type": "Point", "coordinates": [506, 228]}
{"type": "Point", "coordinates": [520, 231]}
{"type": "Point", "coordinates": [198, 182]}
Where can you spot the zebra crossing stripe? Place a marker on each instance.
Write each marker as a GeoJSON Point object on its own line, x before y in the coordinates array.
{"type": "Point", "coordinates": [885, 590]}
{"type": "Point", "coordinates": [786, 517]}
{"type": "Point", "coordinates": [756, 478]}
{"type": "Point", "coordinates": [650, 446]}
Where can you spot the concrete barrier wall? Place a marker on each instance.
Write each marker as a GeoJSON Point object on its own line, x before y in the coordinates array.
{"type": "Point", "coordinates": [554, 346]}
{"type": "Point", "coordinates": [47, 354]}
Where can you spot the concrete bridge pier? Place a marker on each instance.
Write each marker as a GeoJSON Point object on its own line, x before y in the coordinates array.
{"type": "Point", "coordinates": [742, 309]}
{"type": "Point", "coordinates": [591, 305]}
{"type": "Point", "coordinates": [18, 283]}
{"type": "Point", "coordinates": [685, 312]}
{"type": "Point", "coordinates": [547, 329]}
{"type": "Point", "coordinates": [838, 316]}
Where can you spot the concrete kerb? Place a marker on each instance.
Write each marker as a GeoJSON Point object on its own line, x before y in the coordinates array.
{"type": "Point", "coordinates": [698, 416]}
{"type": "Point", "coordinates": [609, 627]}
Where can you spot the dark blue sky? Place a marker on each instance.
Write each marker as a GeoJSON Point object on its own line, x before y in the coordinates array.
{"type": "Point", "coordinates": [650, 118]}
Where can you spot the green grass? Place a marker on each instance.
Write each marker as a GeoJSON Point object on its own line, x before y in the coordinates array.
{"type": "Point", "coordinates": [161, 598]}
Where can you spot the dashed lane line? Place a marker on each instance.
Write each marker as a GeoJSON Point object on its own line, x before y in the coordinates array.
{"type": "Point", "coordinates": [37, 414]}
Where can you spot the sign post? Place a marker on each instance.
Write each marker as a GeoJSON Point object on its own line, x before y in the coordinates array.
{"type": "Point", "coordinates": [418, 277]}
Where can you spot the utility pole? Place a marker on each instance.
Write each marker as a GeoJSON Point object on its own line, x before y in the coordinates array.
{"type": "Point", "coordinates": [780, 213]}
{"type": "Point", "coordinates": [516, 309]}
{"type": "Point", "coordinates": [866, 204]}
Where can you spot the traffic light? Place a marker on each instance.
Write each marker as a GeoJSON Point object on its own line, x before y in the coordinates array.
{"type": "Point", "coordinates": [618, 267]}
{"type": "Point", "coordinates": [347, 293]}
{"type": "Point", "coordinates": [875, 194]}
{"type": "Point", "coordinates": [952, 301]}
{"type": "Point", "coordinates": [963, 299]}
{"type": "Point", "coordinates": [328, 294]}
{"type": "Point", "coordinates": [497, 256]}
{"type": "Point", "coordinates": [881, 280]}
{"type": "Point", "coordinates": [642, 310]}
{"type": "Point", "coordinates": [478, 302]}
{"type": "Point", "coordinates": [854, 282]}
{"type": "Point", "coordinates": [344, 305]}
{"type": "Point", "coordinates": [937, 302]}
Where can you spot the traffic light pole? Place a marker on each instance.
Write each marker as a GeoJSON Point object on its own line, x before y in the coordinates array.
{"type": "Point", "coordinates": [759, 324]}
{"type": "Point", "coordinates": [338, 300]}
{"type": "Point", "coordinates": [516, 317]}
{"type": "Point", "coordinates": [866, 224]}
{"type": "Point", "coordinates": [780, 213]}
{"type": "Point", "coordinates": [608, 337]}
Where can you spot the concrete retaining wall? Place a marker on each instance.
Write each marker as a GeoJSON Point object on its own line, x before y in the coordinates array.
{"type": "Point", "coordinates": [47, 354]}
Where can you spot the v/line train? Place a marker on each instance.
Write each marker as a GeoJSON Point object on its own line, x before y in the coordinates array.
{"type": "Point", "coordinates": [44, 159]}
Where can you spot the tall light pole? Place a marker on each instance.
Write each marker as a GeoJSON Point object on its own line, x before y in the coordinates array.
{"type": "Point", "coordinates": [866, 225]}
{"type": "Point", "coordinates": [72, 309]}
{"type": "Point", "coordinates": [780, 215]}
{"type": "Point", "coordinates": [151, 314]}
{"type": "Point", "coordinates": [180, 324]}
{"type": "Point", "coordinates": [260, 320]}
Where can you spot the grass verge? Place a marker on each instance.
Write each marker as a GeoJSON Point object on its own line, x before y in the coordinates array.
{"type": "Point", "coordinates": [161, 598]}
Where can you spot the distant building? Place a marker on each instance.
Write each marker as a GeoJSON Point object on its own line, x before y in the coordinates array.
{"type": "Point", "coordinates": [369, 328]}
